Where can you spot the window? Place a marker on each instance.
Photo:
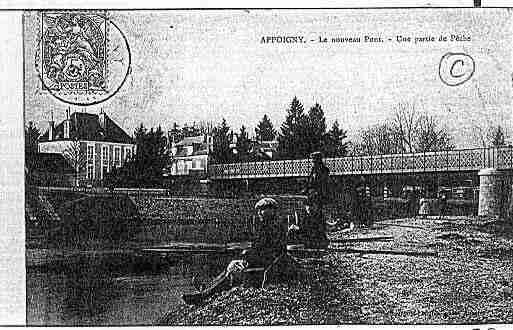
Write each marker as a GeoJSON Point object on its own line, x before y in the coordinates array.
{"type": "Point", "coordinates": [189, 150]}
{"type": "Point", "coordinates": [196, 164]}
{"type": "Point", "coordinates": [180, 167]}
{"type": "Point", "coordinates": [188, 166]}
{"type": "Point", "coordinates": [105, 160]}
{"type": "Point", "coordinates": [90, 162]}
{"type": "Point", "coordinates": [128, 154]}
{"type": "Point", "coordinates": [117, 156]}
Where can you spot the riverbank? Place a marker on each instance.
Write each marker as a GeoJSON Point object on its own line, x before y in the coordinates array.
{"type": "Point", "coordinates": [466, 283]}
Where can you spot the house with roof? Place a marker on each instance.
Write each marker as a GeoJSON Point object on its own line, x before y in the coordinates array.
{"type": "Point", "coordinates": [190, 155]}
{"type": "Point", "coordinates": [92, 144]}
{"type": "Point", "coordinates": [263, 150]}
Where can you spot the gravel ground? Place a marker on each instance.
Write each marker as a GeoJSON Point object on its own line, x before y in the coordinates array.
{"type": "Point", "coordinates": [467, 282]}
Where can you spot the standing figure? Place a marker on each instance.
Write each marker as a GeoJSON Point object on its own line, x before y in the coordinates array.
{"type": "Point", "coordinates": [310, 228]}
{"type": "Point", "coordinates": [442, 204]}
{"type": "Point", "coordinates": [318, 183]}
{"type": "Point", "coordinates": [411, 202]}
{"type": "Point", "coordinates": [268, 251]}
{"type": "Point", "coordinates": [362, 209]}
{"type": "Point", "coordinates": [424, 207]}
{"type": "Point", "coordinates": [318, 192]}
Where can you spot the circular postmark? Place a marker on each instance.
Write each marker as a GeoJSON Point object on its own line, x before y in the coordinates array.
{"type": "Point", "coordinates": [456, 68]}
{"type": "Point", "coordinates": [83, 58]}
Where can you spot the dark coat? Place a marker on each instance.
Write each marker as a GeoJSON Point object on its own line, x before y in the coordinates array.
{"type": "Point", "coordinates": [319, 181]}
{"type": "Point", "coordinates": [269, 243]}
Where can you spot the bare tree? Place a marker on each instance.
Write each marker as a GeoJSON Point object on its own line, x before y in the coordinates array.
{"type": "Point", "coordinates": [405, 122]}
{"type": "Point", "coordinates": [429, 136]}
{"type": "Point", "coordinates": [76, 158]}
{"type": "Point", "coordinates": [479, 136]}
{"type": "Point", "coordinates": [407, 132]}
{"type": "Point", "coordinates": [379, 139]}
{"type": "Point", "coordinates": [490, 136]}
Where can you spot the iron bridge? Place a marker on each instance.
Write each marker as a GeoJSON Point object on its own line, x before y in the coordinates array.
{"type": "Point", "coordinates": [441, 161]}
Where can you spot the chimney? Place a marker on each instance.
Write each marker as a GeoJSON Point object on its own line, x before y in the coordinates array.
{"type": "Point", "coordinates": [102, 119]}
{"type": "Point", "coordinates": [67, 124]}
{"type": "Point", "coordinates": [51, 128]}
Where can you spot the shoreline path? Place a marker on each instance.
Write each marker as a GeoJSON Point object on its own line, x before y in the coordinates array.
{"type": "Point", "coordinates": [466, 283]}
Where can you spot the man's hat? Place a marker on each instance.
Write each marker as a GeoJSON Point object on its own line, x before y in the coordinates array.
{"type": "Point", "coordinates": [316, 155]}
{"type": "Point", "coordinates": [265, 203]}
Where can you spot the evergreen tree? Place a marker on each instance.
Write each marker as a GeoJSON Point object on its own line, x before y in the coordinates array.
{"type": "Point", "coordinates": [315, 129]}
{"type": "Point", "coordinates": [151, 157]}
{"type": "Point", "coordinates": [265, 130]}
{"type": "Point", "coordinates": [222, 139]}
{"type": "Point", "coordinates": [159, 154]}
{"type": "Point", "coordinates": [31, 137]}
{"type": "Point", "coordinates": [291, 142]}
{"type": "Point", "coordinates": [243, 145]}
{"type": "Point", "coordinates": [333, 144]}
{"type": "Point", "coordinates": [175, 133]}
{"type": "Point", "coordinates": [140, 134]}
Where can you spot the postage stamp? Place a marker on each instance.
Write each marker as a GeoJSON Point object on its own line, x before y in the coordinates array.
{"type": "Point", "coordinates": [74, 56]}
{"type": "Point", "coordinates": [78, 56]}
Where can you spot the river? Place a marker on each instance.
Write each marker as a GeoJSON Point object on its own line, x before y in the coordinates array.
{"type": "Point", "coordinates": [99, 291]}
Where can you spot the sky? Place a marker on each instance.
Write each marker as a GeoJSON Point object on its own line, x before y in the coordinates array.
{"type": "Point", "coordinates": [207, 65]}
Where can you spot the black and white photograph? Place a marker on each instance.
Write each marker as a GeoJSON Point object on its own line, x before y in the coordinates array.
{"type": "Point", "coordinates": [243, 167]}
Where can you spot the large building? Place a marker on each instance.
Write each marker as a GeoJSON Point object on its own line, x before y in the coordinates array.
{"type": "Point", "coordinates": [92, 144]}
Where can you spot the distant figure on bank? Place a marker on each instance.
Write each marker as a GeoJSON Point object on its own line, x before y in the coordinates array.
{"type": "Point", "coordinates": [318, 183]}
{"type": "Point", "coordinates": [310, 228]}
{"type": "Point", "coordinates": [442, 204]}
{"type": "Point", "coordinates": [424, 207]}
{"type": "Point", "coordinates": [268, 253]}
{"type": "Point", "coordinates": [411, 203]}
{"type": "Point", "coordinates": [361, 207]}
{"type": "Point", "coordinates": [509, 211]}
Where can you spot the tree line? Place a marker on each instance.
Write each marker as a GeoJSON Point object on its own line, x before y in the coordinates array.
{"type": "Point", "coordinates": [410, 131]}
{"type": "Point", "coordinates": [301, 133]}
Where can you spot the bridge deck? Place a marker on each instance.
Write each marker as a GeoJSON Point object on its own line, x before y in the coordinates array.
{"type": "Point", "coordinates": [441, 161]}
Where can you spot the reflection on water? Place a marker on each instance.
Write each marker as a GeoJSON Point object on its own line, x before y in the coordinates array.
{"type": "Point", "coordinates": [93, 292]}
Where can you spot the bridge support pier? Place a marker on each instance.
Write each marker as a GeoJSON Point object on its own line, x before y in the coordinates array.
{"type": "Point", "coordinates": [490, 192]}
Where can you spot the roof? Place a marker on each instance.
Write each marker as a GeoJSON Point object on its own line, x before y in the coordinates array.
{"type": "Point", "coordinates": [49, 162]}
{"type": "Point", "coordinates": [268, 144]}
{"type": "Point", "coordinates": [189, 141]}
{"type": "Point", "coordinates": [86, 126]}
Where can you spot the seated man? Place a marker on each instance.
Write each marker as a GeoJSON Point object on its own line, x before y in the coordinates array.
{"type": "Point", "coordinates": [266, 250]}
{"type": "Point", "coordinates": [311, 229]}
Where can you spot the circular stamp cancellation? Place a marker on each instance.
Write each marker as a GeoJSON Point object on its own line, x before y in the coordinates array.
{"type": "Point", "coordinates": [456, 68]}
{"type": "Point", "coordinates": [83, 58]}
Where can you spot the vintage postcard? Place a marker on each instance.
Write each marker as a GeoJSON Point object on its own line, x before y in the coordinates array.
{"type": "Point", "coordinates": [268, 167]}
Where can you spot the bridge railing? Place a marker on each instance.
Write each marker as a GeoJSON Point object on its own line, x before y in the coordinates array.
{"type": "Point", "coordinates": [439, 161]}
